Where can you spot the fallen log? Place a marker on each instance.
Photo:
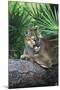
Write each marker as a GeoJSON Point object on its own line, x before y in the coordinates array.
{"type": "Point", "coordinates": [23, 73]}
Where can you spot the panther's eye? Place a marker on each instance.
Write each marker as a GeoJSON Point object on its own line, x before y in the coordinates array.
{"type": "Point", "coordinates": [33, 38]}
{"type": "Point", "coordinates": [38, 39]}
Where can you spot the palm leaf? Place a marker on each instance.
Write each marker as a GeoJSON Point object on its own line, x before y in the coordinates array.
{"type": "Point", "coordinates": [25, 15]}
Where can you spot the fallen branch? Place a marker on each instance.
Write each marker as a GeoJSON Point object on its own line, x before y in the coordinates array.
{"type": "Point", "coordinates": [23, 73]}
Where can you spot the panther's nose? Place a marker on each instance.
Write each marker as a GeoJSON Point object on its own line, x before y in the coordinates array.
{"type": "Point", "coordinates": [37, 44]}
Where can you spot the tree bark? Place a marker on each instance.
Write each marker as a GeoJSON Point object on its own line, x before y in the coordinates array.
{"type": "Point", "coordinates": [25, 73]}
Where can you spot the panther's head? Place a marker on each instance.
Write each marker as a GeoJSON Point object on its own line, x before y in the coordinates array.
{"type": "Point", "coordinates": [31, 40]}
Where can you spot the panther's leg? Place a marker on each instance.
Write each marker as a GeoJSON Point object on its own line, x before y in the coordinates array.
{"type": "Point", "coordinates": [25, 57]}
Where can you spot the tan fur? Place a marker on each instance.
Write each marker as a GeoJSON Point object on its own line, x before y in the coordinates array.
{"type": "Point", "coordinates": [45, 57]}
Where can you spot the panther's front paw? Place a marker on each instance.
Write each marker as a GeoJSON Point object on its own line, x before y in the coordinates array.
{"type": "Point", "coordinates": [24, 57]}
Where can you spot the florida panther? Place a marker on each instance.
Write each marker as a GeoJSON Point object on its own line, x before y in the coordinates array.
{"type": "Point", "coordinates": [38, 50]}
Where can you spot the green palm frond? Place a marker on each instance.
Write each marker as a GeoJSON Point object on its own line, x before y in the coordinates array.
{"type": "Point", "coordinates": [44, 16]}
{"type": "Point", "coordinates": [18, 22]}
{"type": "Point", "coordinates": [23, 16]}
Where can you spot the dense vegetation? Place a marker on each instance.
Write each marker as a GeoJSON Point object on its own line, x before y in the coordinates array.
{"type": "Point", "coordinates": [23, 16]}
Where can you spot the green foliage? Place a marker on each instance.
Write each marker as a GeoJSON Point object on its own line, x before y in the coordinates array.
{"type": "Point", "coordinates": [44, 17]}
{"type": "Point", "coordinates": [18, 22]}
{"type": "Point", "coordinates": [23, 16]}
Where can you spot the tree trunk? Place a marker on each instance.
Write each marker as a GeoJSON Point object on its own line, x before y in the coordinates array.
{"type": "Point", "coordinates": [25, 73]}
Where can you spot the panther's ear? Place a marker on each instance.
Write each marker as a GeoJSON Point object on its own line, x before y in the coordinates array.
{"type": "Point", "coordinates": [25, 33]}
{"type": "Point", "coordinates": [36, 28]}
